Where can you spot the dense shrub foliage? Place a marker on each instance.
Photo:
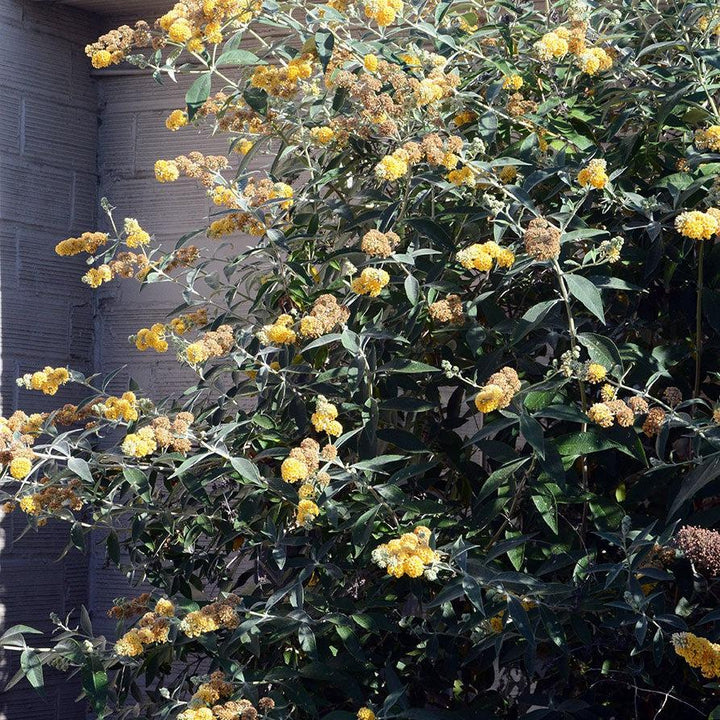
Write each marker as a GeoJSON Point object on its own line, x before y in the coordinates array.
{"type": "Point", "coordinates": [453, 449]}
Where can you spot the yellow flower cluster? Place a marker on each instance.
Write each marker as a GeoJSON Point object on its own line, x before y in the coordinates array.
{"type": "Point", "coordinates": [698, 225]}
{"type": "Point", "coordinates": [365, 713]}
{"type": "Point", "coordinates": [88, 242]}
{"type": "Point", "coordinates": [135, 236]}
{"type": "Point", "coordinates": [698, 653]}
{"type": "Point", "coordinates": [48, 380]}
{"type": "Point", "coordinates": [708, 139]}
{"type": "Point", "coordinates": [265, 193]}
{"type": "Point", "coordinates": [323, 135]}
{"type": "Point", "coordinates": [462, 176]}
{"type": "Point", "coordinates": [512, 82]}
{"type": "Point", "coordinates": [303, 464]}
{"type": "Point", "coordinates": [17, 435]}
{"type": "Point", "coordinates": [176, 119]}
{"type": "Point", "coordinates": [216, 343]}
{"type": "Point", "coordinates": [154, 627]}
{"type": "Point", "coordinates": [166, 171]}
{"type": "Point", "coordinates": [324, 419]}
{"type": "Point", "coordinates": [95, 277]}
{"type": "Point", "coordinates": [195, 23]}
{"type": "Point", "coordinates": [480, 256]}
{"type": "Point", "coordinates": [551, 46]}
{"type": "Point", "coordinates": [124, 407]}
{"type": "Point", "coordinates": [279, 332]}
{"type": "Point", "coordinates": [595, 373]}
{"type": "Point", "coordinates": [370, 282]}
{"type": "Point", "coordinates": [383, 12]}
{"type": "Point", "coordinates": [140, 443]}
{"type": "Point", "coordinates": [152, 337]}
{"type": "Point", "coordinates": [499, 390]}
{"type": "Point", "coordinates": [606, 413]}
{"type": "Point", "coordinates": [200, 713]}
{"type": "Point", "coordinates": [392, 167]}
{"type": "Point", "coordinates": [307, 511]}
{"type": "Point", "coordinates": [594, 174]}
{"type": "Point", "coordinates": [410, 555]}
{"type": "Point", "coordinates": [497, 622]}
{"type": "Point", "coordinates": [20, 467]}
{"type": "Point", "coordinates": [594, 60]}
{"type": "Point", "coordinates": [218, 615]}
{"type": "Point", "coordinates": [283, 81]}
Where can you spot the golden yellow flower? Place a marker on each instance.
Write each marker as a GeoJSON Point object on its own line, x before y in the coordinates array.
{"type": "Point", "coordinates": [594, 174]}
{"type": "Point", "coordinates": [371, 282]}
{"type": "Point", "coordinates": [697, 225]}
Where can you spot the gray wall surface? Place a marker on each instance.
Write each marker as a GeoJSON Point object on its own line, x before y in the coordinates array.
{"type": "Point", "coordinates": [48, 191]}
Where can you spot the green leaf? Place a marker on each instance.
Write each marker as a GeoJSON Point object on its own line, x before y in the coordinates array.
{"type": "Point", "coordinates": [324, 44]}
{"type": "Point", "coordinates": [31, 665]}
{"type": "Point", "coordinates": [695, 481]}
{"type": "Point", "coordinates": [245, 468]}
{"type": "Point", "coordinates": [412, 289]}
{"type": "Point", "coordinates": [377, 463]}
{"type": "Point", "coordinates": [80, 468]}
{"type": "Point", "coordinates": [584, 291]}
{"type": "Point", "coordinates": [238, 57]}
{"type": "Point", "coordinates": [532, 431]}
{"type": "Point", "coordinates": [198, 93]}
{"type": "Point", "coordinates": [601, 350]}
{"type": "Point", "coordinates": [408, 366]}
{"type": "Point", "coordinates": [95, 684]}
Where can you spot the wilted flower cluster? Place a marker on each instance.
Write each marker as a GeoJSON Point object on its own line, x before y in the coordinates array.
{"type": "Point", "coordinates": [18, 434]}
{"type": "Point", "coordinates": [379, 244]}
{"type": "Point", "coordinates": [52, 498]}
{"type": "Point", "coordinates": [273, 198]}
{"type": "Point", "coordinates": [410, 555]}
{"type": "Point", "coordinates": [542, 240]}
{"type": "Point", "coordinates": [325, 316]}
{"type": "Point", "coordinates": [702, 547]}
{"type": "Point", "coordinates": [448, 310]}
{"type": "Point", "coordinates": [212, 344]}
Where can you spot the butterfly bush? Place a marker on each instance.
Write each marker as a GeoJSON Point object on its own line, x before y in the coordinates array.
{"type": "Point", "coordinates": [454, 351]}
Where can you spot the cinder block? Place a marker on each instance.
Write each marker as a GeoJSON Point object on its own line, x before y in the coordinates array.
{"type": "Point", "coordinates": [40, 59]}
{"type": "Point", "coordinates": [59, 135]}
{"type": "Point", "coordinates": [36, 195]}
{"type": "Point", "coordinates": [10, 119]}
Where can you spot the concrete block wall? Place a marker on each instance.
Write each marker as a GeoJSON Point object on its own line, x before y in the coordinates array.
{"type": "Point", "coordinates": [69, 137]}
{"type": "Point", "coordinates": [48, 191]}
